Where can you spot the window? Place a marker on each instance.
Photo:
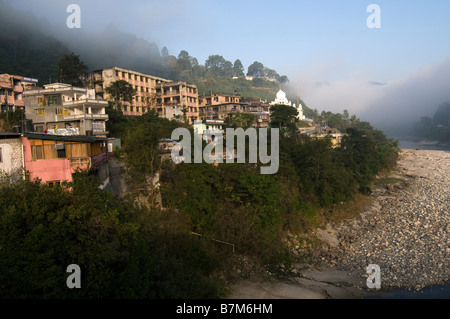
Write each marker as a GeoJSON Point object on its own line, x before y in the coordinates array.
{"type": "Point", "coordinates": [53, 183]}
{"type": "Point", "coordinates": [40, 100]}
{"type": "Point", "coordinates": [52, 99]}
{"type": "Point", "coordinates": [59, 111]}
{"type": "Point", "coordinates": [39, 154]}
{"type": "Point", "coordinates": [39, 112]}
{"type": "Point", "coordinates": [61, 153]}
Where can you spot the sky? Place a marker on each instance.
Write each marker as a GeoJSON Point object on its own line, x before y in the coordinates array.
{"type": "Point", "coordinates": [324, 47]}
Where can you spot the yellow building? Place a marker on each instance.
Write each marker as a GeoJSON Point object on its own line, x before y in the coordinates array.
{"type": "Point", "coordinates": [145, 85]}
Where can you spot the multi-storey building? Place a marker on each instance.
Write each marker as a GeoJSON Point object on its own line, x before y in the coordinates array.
{"type": "Point", "coordinates": [218, 106]}
{"type": "Point", "coordinates": [145, 85]}
{"type": "Point", "coordinates": [11, 91]}
{"type": "Point", "coordinates": [170, 99]}
{"type": "Point", "coordinates": [66, 110]}
{"type": "Point", "coordinates": [217, 99]}
{"type": "Point", "coordinates": [53, 158]}
{"type": "Point", "coordinates": [177, 100]}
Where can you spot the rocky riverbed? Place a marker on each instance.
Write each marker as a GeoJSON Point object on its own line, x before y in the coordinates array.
{"type": "Point", "coordinates": [406, 232]}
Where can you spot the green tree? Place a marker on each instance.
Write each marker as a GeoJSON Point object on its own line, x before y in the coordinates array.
{"type": "Point", "coordinates": [283, 117]}
{"type": "Point", "coordinates": [284, 79]}
{"type": "Point", "coordinates": [72, 70]}
{"type": "Point", "coordinates": [255, 69]}
{"type": "Point", "coordinates": [120, 91]}
{"type": "Point", "coordinates": [164, 52]}
{"type": "Point", "coordinates": [238, 68]}
{"type": "Point", "coordinates": [216, 65]}
{"type": "Point", "coordinates": [238, 119]}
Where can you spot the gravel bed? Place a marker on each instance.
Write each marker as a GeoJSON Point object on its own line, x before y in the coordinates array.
{"type": "Point", "coordinates": [406, 231]}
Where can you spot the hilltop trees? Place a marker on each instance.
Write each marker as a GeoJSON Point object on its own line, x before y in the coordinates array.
{"type": "Point", "coordinates": [437, 127]}
{"type": "Point", "coordinates": [238, 68]}
{"type": "Point", "coordinates": [72, 70]}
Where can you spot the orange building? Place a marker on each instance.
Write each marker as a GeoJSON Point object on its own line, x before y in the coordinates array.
{"type": "Point", "coordinates": [11, 91]}
{"type": "Point", "coordinates": [166, 97]}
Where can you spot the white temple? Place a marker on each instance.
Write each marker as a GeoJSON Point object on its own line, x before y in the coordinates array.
{"type": "Point", "coordinates": [281, 99]}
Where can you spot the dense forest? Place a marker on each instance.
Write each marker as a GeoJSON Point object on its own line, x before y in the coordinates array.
{"type": "Point", "coordinates": [436, 128]}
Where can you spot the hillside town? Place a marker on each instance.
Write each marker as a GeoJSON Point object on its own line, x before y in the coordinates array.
{"type": "Point", "coordinates": [63, 127]}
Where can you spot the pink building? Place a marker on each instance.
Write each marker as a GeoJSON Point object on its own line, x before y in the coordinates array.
{"type": "Point", "coordinates": [54, 159]}
{"type": "Point", "coordinates": [11, 91]}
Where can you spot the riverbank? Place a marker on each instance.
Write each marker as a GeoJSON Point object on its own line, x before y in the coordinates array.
{"type": "Point", "coordinates": [405, 231]}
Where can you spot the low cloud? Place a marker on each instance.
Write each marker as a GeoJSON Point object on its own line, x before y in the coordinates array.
{"type": "Point", "coordinates": [388, 106]}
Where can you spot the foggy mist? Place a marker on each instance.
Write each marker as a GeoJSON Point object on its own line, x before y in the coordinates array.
{"type": "Point", "coordinates": [392, 107]}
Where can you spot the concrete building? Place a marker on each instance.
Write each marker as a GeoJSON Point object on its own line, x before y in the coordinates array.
{"type": "Point", "coordinates": [54, 159]}
{"type": "Point", "coordinates": [217, 99]}
{"type": "Point", "coordinates": [144, 84]}
{"type": "Point", "coordinates": [207, 128]}
{"type": "Point", "coordinates": [175, 100]}
{"type": "Point", "coordinates": [168, 98]}
{"type": "Point", "coordinates": [11, 155]}
{"type": "Point", "coordinates": [66, 110]}
{"type": "Point", "coordinates": [11, 91]}
{"type": "Point", "coordinates": [219, 106]}
{"type": "Point", "coordinates": [318, 132]}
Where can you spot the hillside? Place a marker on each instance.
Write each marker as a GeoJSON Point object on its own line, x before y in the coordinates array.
{"type": "Point", "coordinates": [33, 48]}
{"type": "Point", "coordinates": [25, 49]}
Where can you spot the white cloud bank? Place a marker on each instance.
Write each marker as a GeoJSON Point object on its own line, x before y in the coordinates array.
{"type": "Point", "coordinates": [386, 106]}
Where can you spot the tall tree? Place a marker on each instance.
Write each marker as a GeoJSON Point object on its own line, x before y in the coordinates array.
{"type": "Point", "coordinates": [72, 70]}
{"type": "Point", "coordinates": [120, 91]}
{"type": "Point", "coordinates": [217, 65]}
{"type": "Point", "coordinates": [238, 68]}
{"type": "Point", "coordinates": [164, 52]}
{"type": "Point", "coordinates": [283, 117]}
{"type": "Point", "coordinates": [255, 69]}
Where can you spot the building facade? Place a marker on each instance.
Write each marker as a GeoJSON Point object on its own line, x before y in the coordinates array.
{"type": "Point", "coordinates": [11, 155]}
{"type": "Point", "coordinates": [54, 159]}
{"type": "Point", "coordinates": [170, 99]}
{"type": "Point", "coordinates": [218, 106]}
{"type": "Point", "coordinates": [11, 91]}
{"type": "Point", "coordinates": [66, 110]}
{"type": "Point", "coordinates": [208, 128]}
{"type": "Point", "coordinates": [145, 85]}
{"type": "Point", "coordinates": [177, 100]}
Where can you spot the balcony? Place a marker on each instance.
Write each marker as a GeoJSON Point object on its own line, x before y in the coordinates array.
{"type": "Point", "coordinates": [91, 102]}
{"type": "Point", "coordinates": [86, 117]}
{"type": "Point", "coordinates": [81, 162]}
{"type": "Point", "coordinates": [97, 77]}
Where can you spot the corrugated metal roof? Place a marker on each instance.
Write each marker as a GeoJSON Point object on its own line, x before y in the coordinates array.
{"type": "Point", "coordinates": [78, 138]}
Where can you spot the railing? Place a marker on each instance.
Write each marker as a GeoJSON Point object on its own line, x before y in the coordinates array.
{"type": "Point", "coordinates": [84, 101]}
{"type": "Point", "coordinates": [86, 116]}
{"type": "Point", "coordinates": [80, 161]}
